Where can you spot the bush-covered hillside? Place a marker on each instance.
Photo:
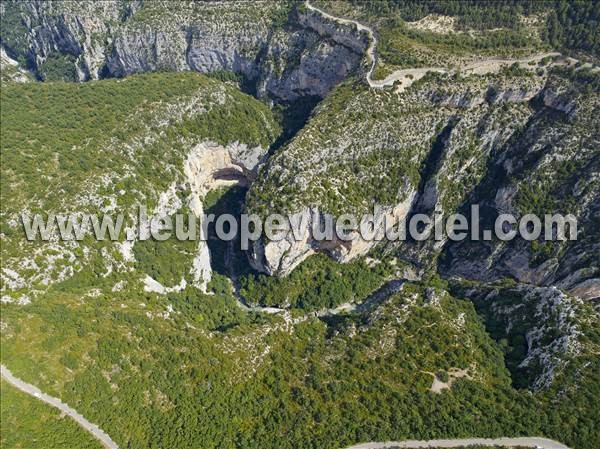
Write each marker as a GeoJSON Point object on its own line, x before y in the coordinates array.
{"type": "Point", "coordinates": [438, 33]}
{"type": "Point", "coordinates": [108, 146]}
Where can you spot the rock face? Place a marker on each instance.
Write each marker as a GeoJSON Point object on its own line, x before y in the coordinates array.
{"type": "Point", "coordinates": [511, 143]}
{"type": "Point", "coordinates": [11, 70]}
{"type": "Point", "coordinates": [280, 257]}
{"type": "Point", "coordinates": [541, 325]}
{"type": "Point", "coordinates": [551, 166]}
{"type": "Point", "coordinates": [286, 53]}
{"type": "Point", "coordinates": [209, 166]}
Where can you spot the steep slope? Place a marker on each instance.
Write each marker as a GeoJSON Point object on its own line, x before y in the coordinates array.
{"type": "Point", "coordinates": [158, 141]}
{"type": "Point", "coordinates": [10, 70]}
{"type": "Point", "coordinates": [283, 51]}
{"type": "Point", "coordinates": [520, 141]}
{"type": "Point", "coordinates": [543, 332]}
{"type": "Point", "coordinates": [551, 166]}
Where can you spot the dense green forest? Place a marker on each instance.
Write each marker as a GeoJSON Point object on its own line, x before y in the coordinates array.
{"type": "Point", "coordinates": [73, 131]}
{"type": "Point", "coordinates": [259, 382]}
{"type": "Point", "coordinates": [317, 283]}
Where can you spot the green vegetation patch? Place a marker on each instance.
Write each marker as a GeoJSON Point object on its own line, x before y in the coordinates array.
{"type": "Point", "coordinates": [58, 67]}
{"type": "Point", "coordinates": [316, 283]}
{"type": "Point", "coordinates": [108, 146]}
{"type": "Point", "coordinates": [73, 131]}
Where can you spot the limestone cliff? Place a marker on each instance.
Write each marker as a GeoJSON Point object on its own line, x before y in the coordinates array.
{"type": "Point", "coordinates": [285, 51]}
{"type": "Point", "coordinates": [518, 142]}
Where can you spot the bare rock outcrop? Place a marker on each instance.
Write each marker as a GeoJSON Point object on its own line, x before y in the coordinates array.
{"type": "Point", "coordinates": [306, 57]}
{"type": "Point", "coordinates": [209, 166]}
{"type": "Point", "coordinates": [280, 257]}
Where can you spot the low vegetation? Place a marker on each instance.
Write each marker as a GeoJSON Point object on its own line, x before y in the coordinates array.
{"type": "Point", "coordinates": [505, 28]}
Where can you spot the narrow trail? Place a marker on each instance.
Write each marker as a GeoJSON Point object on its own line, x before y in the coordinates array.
{"type": "Point", "coordinates": [534, 442]}
{"type": "Point", "coordinates": [96, 432]}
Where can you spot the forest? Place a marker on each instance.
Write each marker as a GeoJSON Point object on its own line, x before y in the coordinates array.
{"type": "Point", "coordinates": [317, 385]}
{"type": "Point", "coordinates": [570, 24]}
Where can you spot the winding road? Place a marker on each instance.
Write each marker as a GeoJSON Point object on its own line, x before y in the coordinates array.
{"type": "Point", "coordinates": [371, 50]}
{"type": "Point", "coordinates": [96, 431]}
{"type": "Point", "coordinates": [535, 442]}
{"type": "Point", "coordinates": [409, 76]}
